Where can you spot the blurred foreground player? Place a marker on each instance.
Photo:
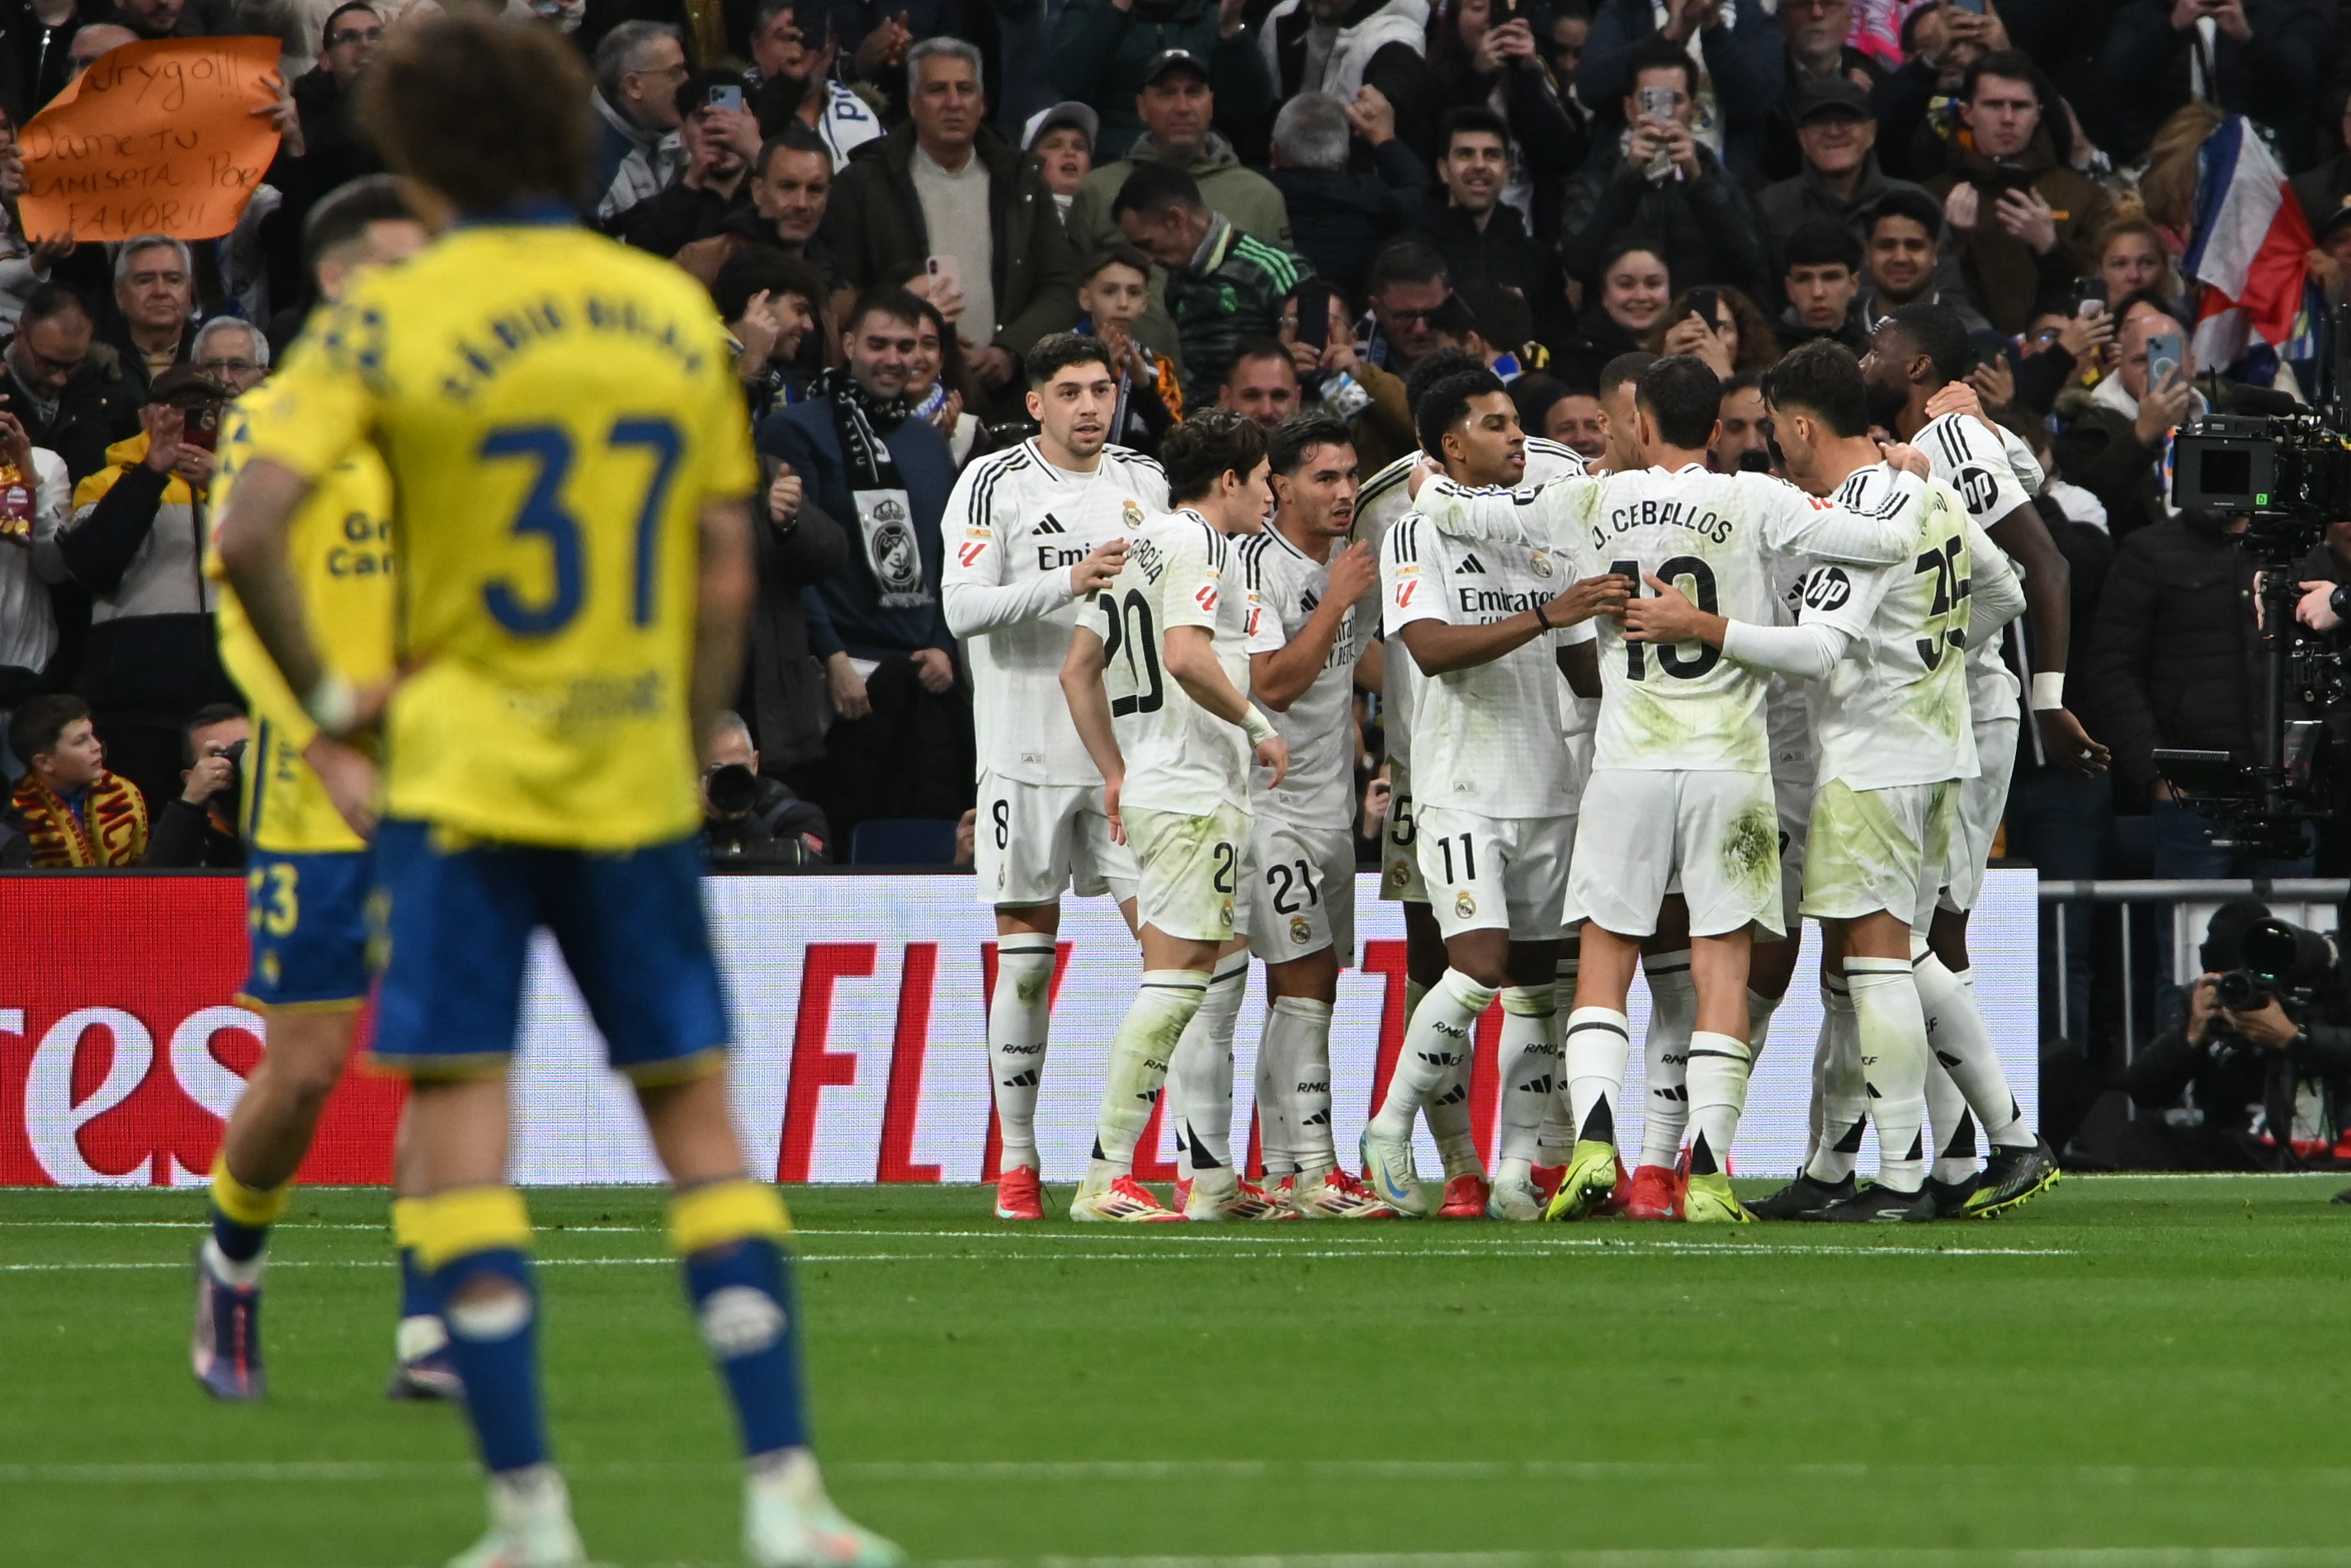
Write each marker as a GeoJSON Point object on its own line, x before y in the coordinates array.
{"type": "Point", "coordinates": [308, 870]}
{"type": "Point", "coordinates": [570, 457]}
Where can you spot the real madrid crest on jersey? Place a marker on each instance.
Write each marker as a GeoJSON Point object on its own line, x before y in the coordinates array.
{"type": "Point", "coordinates": [1539, 562]}
{"type": "Point", "coordinates": [1134, 510]}
{"type": "Point", "coordinates": [1465, 907]}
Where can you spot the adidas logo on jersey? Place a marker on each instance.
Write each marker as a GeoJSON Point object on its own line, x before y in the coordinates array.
{"type": "Point", "coordinates": [1051, 525]}
{"type": "Point", "coordinates": [1470, 563]}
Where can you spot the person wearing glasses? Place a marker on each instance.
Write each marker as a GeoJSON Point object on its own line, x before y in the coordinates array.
{"type": "Point", "coordinates": [326, 150]}
{"type": "Point", "coordinates": [640, 66]}
{"type": "Point", "coordinates": [68, 394]}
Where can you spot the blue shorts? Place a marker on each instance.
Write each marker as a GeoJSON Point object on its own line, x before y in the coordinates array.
{"type": "Point", "coordinates": [307, 914]}
{"type": "Point", "coordinates": [459, 919]}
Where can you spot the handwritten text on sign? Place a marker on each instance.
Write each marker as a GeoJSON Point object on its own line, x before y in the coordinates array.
{"type": "Point", "coordinates": [157, 138]}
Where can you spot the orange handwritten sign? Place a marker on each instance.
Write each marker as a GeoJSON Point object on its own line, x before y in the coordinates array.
{"type": "Point", "coordinates": [156, 137]}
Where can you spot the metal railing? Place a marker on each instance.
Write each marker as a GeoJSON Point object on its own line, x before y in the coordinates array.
{"type": "Point", "coordinates": [2183, 891]}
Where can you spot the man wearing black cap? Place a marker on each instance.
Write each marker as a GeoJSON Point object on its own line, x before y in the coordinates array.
{"type": "Point", "coordinates": [1105, 50]}
{"type": "Point", "coordinates": [1176, 107]}
{"type": "Point", "coordinates": [1840, 181]}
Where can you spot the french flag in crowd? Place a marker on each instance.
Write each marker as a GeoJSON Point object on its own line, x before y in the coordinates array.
{"type": "Point", "coordinates": [2251, 240]}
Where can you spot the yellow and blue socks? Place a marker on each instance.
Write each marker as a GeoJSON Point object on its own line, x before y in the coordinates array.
{"type": "Point", "coordinates": [730, 1234]}
{"type": "Point", "coordinates": [473, 1247]}
{"type": "Point", "coordinates": [241, 1219]}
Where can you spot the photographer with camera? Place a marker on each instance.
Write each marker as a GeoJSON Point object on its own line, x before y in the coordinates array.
{"type": "Point", "coordinates": [200, 827]}
{"type": "Point", "coordinates": [2258, 1077]}
{"type": "Point", "coordinates": [751, 823]}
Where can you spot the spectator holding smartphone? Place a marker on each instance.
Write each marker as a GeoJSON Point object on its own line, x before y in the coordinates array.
{"type": "Point", "coordinates": [2114, 447]}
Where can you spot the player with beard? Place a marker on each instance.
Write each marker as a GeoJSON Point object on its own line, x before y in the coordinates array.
{"type": "Point", "coordinates": [1490, 621]}
{"type": "Point", "coordinates": [1155, 680]}
{"type": "Point", "coordinates": [1385, 497]}
{"type": "Point", "coordinates": [1308, 652]}
{"type": "Point", "coordinates": [1032, 531]}
{"type": "Point", "coordinates": [1917, 352]}
{"type": "Point", "coordinates": [1892, 733]}
{"type": "Point", "coordinates": [1680, 784]}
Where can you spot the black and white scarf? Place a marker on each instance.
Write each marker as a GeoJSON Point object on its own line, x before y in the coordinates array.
{"type": "Point", "coordinates": [886, 519]}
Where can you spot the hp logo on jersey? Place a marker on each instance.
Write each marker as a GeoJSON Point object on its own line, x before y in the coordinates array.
{"type": "Point", "coordinates": [1977, 487]}
{"type": "Point", "coordinates": [1827, 589]}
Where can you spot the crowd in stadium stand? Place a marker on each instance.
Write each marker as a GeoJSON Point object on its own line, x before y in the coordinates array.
{"type": "Point", "coordinates": [1547, 186]}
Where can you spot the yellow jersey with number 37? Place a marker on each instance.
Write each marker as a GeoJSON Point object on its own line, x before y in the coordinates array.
{"type": "Point", "coordinates": [555, 410]}
{"type": "Point", "coordinates": [340, 545]}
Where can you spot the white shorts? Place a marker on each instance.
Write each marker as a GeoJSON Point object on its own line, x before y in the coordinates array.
{"type": "Point", "coordinates": [1036, 841]}
{"type": "Point", "coordinates": [1714, 836]}
{"type": "Point", "coordinates": [1495, 873]}
{"type": "Point", "coordinates": [1876, 849]}
{"type": "Point", "coordinates": [1984, 802]}
{"type": "Point", "coordinates": [1193, 870]}
{"type": "Point", "coordinates": [1302, 892]}
{"type": "Point", "coordinates": [1399, 868]}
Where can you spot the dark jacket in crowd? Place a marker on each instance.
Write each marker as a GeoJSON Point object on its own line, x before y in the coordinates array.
{"type": "Point", "coordinates": [1597, 339]}
{"type": "Point", "coordinates": [1706, 226]}
{"type": "Point", "coordinates": [2004, 276]}
{"type": "Point", "coordinates": [184, 837]}
{"type": "Point", "coordinates": [1099, 52]}
{"type": "Point", "coordinates": [843, 609]}
{"type": "Point", "coordinates": [2174, 660]}
{"type": "Point", "coordinates": [1806, 198]}
{"type": "Point", "coordinates": [335, 151]}
{"type": "Point", "coordinates": [1396, 67]}
{"type": "Point", "coordinates": [1339, 221]}
{"type": "Point", "coordinates": [1792, 334]}
{"type": "Point", "coordinates": [2275, 76]}
{"type": "Point", "coordinates": [682, 214]}
{"type": "Point", "coordinates": [1230, 295]}
{"type": "Point", "coordinates": [34, 56]}
{"type": "Point", "coordinates": [115, 333]}
{"type": "Point", "coordinates": [2235, 1093]}
{"type": "Point", "coordinates": [1746, 61]}
{"type": "Point", "coordinates": [784, 683]}
{"type": "Point", "coordinates": [1501, 253]}
{"type": "Point", "coordinates": [97, 408]}
{"type": "Point", "coordinates": [1782, 154]}
{"type": "Point", "coordinates": [873, 223]}
{"type": "Point", "coordinates": [1550, 135]}
{"type": "Point", "coordinates": [2089, 553]}
{"type": "Point", "coordinates": [2323, 191]}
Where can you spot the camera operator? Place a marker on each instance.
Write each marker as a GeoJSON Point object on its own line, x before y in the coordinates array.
{"type": "Point", "coordinates": [2223, 1085]}
{"type": "Point", "coordinates": [200, 825]}
{"type": "Point", "coordinates": [752, 822]}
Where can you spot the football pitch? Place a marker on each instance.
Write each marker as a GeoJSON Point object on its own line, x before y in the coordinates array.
{"type": "Point", "coordinates": [2129, 1372]}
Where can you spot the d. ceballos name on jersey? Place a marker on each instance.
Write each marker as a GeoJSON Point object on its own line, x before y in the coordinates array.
{"type": "Point", "coordinates": [1653, 514]}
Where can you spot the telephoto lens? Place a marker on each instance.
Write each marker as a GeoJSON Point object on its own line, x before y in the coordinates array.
{"type": "Point", "coordinates": [733, 789]}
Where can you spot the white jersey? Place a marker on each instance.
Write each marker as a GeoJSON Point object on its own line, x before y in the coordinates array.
{"type": "Point", "coordinates": [1995, 592]}
{"type": "Point", "coordinates": [1894, 710]}
{"type": "Point", "coordinates": [1179, 757]}
{"type": "Point", "coordinates": [1487, 739]}
{"type": "Point", "coordinates": [1713, 536]}
{"type": "Point", "coordinates": [1288, 586]}
{"type": "Point", "coordinates": [1994, 472]}
{"type": "Point", "coordinates": [1386, 496]}
{"type": "Point", "coordinates": [1013, 526]}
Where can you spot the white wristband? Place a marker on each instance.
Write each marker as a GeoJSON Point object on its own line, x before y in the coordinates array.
{"type": "Point", "coordinates": [1257, 726]}
{"type": "Point", "coordinates": [2048, 690]}
{"type": "Point", "coordinates": [333, 703]}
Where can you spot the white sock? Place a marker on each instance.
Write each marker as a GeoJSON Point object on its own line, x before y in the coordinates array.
{"type": "Point", "coordinates": [1139, 1054]}
{"type": "Point", "coordinates": [1598, 1042]}
{"type": "Point", "coordinates": [1529, 1073]}
{"type": "Point", "coordinates": [1200, 1075]}
{"type": "Point", "coordinates": [1447, 1111]}
{"type": "Point", "coordinates": [1665, 1055]}
{"type": "Point", "coordinates": [1892, 1033]}
{"type": "Point", "coordinates": [1840, 1094]}
{"type": "Point", "coordinates": [1718, 1095]}
{"type": "Point", "coordinates": [1759, 1009]}
{"type": "Point", "coordinates": [1555, 1140]}
{"type": "Point", "coordinates": [1437, 1039]}
{"type": "Point", "coordinates": [1950, 1124]}
{"type": "Point", "coordinates": [1955, 1030]}
{"type": "Point", "coordinates": [1020, 1012]}
{"type": "Point", "coordinates": [1298, 1043]}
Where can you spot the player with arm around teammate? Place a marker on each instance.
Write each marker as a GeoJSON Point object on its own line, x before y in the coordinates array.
{"type": "Point", "coordinates": [1155, 680]}
{"type": "Point", "coordinates": [571, 462]}
{"type": "Point", "coordinates": [1032, 532]}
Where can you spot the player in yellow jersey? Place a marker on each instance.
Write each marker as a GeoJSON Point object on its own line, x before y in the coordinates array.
{"type": "Point", "coordinates": [308, 869]}
{"type": "Point", "coordinates": [570, 459]}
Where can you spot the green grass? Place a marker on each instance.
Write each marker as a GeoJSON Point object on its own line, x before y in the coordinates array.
{"type": "Point", "coordinates": [2128, 1372]}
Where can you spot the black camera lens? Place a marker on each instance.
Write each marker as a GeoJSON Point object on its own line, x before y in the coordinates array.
{"type": "Point", "coordinates": [733, 788]}
{"type": "Point", "coordinates": [2239, 988]}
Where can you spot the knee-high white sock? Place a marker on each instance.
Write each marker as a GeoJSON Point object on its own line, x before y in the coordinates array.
{"type": "Point", "coordinates": [1718, 1095]}
{"type": "Point", "coordinates": [1956, 1032]}
{"type": "Point", "coordinates": [1597, 1044]}
{"type": "Point", "coordinates": [1020, 1012]}
{"type": "Point", "coordinates": [1139, 1055]}
{"type": "Point", "coordinates": [1759, 1009]}
{"type": "Point", "coordinates": [1893, 1030]}
{"type": "Point", "coordinates": [1447, 1111]}
{"type": "Point", "coordinates": [1200, 1075]}
{"type": "Point", "coordinates": [1298, 1042]}
{"type": "Point", "coordinates": [1555, 1140]}
{"type": "Point", "coordinates": [1950, 1127]}
{"type": "Point", "coordinates": [1665, 1055]}
{"type": "Point", "coordinates": [1840, 1094]}
{"type": "Point", "coordinates": [1276, 1137]}
{"type": "Point", "coordinates": [1437, 1039]}
{"type": "Point", "coordinates": [1530, 1073]}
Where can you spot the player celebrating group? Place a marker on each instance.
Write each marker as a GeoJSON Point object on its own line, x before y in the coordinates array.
{"type": "Point", "coordinates": [1032, 532]}
{"type": "Point", "coordinates": [570, 457]}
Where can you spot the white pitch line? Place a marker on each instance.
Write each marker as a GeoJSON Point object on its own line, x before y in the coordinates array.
{"type": "Point", "coordinates": [1736, 1557]}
